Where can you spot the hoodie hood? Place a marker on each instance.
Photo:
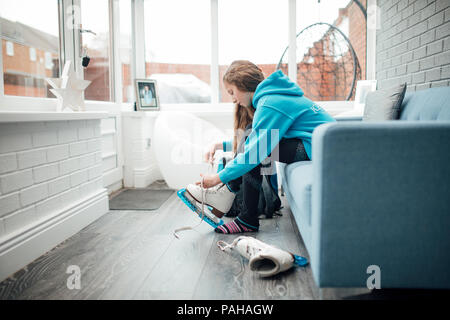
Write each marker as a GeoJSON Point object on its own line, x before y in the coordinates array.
{"type": "Point", "coordinates": [276, 83]}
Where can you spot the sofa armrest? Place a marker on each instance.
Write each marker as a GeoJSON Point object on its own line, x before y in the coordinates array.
{"type": "Point", "coordinates": [381, 196]}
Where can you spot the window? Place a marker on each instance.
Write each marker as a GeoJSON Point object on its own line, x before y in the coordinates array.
{"type": "Point", "coordinates": [48, 60]}
{"type": "Point", "coordinates": [32, 54]}
{"type": "Point", "coordinates": [9, 48]}
{"type": "Point", "coordinates": [95, 42]}
{"type": "Point", "coordinates": [26, 37]}
{"type": "Point", "coordinates": [126, 50]}
{"type": "Point", "coordinates": [177, 49]}
{"type": "Point", "coordinates": [254, 30]}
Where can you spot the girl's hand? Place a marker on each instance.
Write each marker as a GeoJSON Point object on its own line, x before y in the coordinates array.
{"type": "Point", "coordinates": [209, 156]}
{"type": "Point", "coordinates": [209, 180]}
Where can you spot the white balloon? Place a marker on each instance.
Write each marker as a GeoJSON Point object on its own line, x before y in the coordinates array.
{"type": "Point", "coordinates": [180, 141]}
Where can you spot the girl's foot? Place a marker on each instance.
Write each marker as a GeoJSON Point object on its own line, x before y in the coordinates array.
{"type": "Point", "coordinates": [219, 198]}
{"type": "Point", "coordinates": [235, 226]}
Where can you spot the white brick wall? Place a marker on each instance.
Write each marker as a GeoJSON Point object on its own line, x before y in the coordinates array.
{"type": "Point", "coordinates": [413, 44]}
{"type": "Point", "coordinates": [46, 167]}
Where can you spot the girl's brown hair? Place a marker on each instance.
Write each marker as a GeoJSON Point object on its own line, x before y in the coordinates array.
{"type": "Point", "coordinates": [246, 76]}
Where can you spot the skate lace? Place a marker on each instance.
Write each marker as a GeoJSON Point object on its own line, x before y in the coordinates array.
{"type": "Point", "coordinates": [224, 245]}
{"type": "Point", "coordinates": [251, 250]}
{"type": "Point", "coordinates": [204, 190]}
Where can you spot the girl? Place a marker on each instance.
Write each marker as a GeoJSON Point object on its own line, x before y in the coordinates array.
{"type": "Point", "coordinates": [282, 127]}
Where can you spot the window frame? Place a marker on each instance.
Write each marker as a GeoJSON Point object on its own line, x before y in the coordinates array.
{"type": "Point", "coordinates": [69, 49]}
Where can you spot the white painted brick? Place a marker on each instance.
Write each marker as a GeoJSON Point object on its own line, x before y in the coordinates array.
{"type": "Point", "coordinates": [8, 162]}
{"type": "Point", "coordinates": [48, 207]}
{"type": "Point", "coordinates": [97, 131]}
{"type": "Point", "coordinates": [67, 135]}
{"type": "Point", "coordinates": [56, 125]}
{"type": "Point", "coordinates": [77, 148]}
{"type": "Point", "coordinates": [15, 181]}
{"type": "Point", "coordinates": [77, 124]}
{"type": "Point", "coordinates": [99, 183]}
{"type": "Point", "coordinates": [69, 197]}
{"type": "Point", "coordinates": [45, 173]}
{"type": "Point", "coordinates": [33, 194]}
{"type": "Point", "coordinates": [87, 188]}
{"type": "Point", "coordinates": [14, 142]}
{"type": "Point", "coordinates": [78, 177]}
{"type": "Point", "coordinates": [58, 185]}
{"type": "Point", "coordinates": [31, 127]}
{"type": "Point", "coordinates": [68, 166]}
{"type": "Point", "coordinates": [9, 203]}
{"type": "Point", "coordinates": [87, 161]}
{"type": "Point", "coordinates": [85, 133]}
{"type": "Point", "coordinates": [19, 219]}
{"type": "Point", "coordinates": [58, 153]}
{"type": "Point", "coordinates": [93, 123]}
{"type": "Point", "coordinates": [98, 157]}
{"type": "Point", "coordinates": [44, 138]}
{"type": "Point", "coordinates": [31, 158]}
{"type": "Point", "coordinates": [95, 172]}
{"type": "Point", "coordinates": [94, 145]}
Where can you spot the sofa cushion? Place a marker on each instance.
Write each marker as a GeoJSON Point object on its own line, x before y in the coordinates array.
{"type": "Point", "coordinates": [429, 104]}
{"type": "Point", "coordinates": [384, 104]}
{"type": "Point", "coordinates": [299, 181]}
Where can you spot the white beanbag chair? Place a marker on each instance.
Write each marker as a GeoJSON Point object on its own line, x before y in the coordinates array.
{"type": "Point", "coordinates": [181, 140]}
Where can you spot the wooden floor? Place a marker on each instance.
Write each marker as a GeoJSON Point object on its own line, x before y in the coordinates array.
{"type": "Point", "coordinates": [133, 255]}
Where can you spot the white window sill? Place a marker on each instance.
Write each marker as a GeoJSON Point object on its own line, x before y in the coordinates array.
{"type": "Point", "coordinates": [35, 116]}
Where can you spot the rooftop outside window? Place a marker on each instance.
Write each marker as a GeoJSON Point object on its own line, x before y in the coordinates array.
{"type": "Point", "coordinates": [30, 46]}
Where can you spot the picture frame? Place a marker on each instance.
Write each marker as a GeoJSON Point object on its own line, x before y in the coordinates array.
{"type": "Point", "coordinates": [363, 87]}
{"type": "Point", "coordinates": [147, 98]}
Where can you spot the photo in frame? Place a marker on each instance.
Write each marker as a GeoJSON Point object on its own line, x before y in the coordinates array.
{"type": "Point", "coordinates": [363, 87]}
{"type": "Point", "coordinates": [146, 94]}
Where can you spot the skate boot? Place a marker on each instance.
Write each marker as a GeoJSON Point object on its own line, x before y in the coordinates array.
{"type": "Point", "coordinates": [218, 198]}
{"type": "Point", "coordinates": [264, 259]}
{"type": "Point", "coordinates": [203, 213]}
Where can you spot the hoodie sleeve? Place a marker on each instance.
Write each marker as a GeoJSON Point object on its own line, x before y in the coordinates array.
{"type": "Point", "coordinates": [269, 126]}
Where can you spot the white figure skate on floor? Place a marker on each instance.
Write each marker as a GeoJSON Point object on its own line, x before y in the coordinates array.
{"type": "Point", "coordinates": [264, 259]}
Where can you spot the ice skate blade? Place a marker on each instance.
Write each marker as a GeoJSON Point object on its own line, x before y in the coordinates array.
{"type": "Point", "coordinates": [300, 261]}
{"type": "Point", "coordinates": [209, 218]}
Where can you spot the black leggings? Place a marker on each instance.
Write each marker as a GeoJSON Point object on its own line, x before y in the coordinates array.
{"type": "Point", "coordinates": [289, 151]}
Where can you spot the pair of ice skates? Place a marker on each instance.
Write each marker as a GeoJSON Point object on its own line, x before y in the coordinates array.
{"type": "Point", "coordinates": [264, 259]}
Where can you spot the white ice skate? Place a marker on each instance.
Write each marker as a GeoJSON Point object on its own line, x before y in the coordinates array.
{"type": "Point", "coordinates": [219, 198]}
{"type": "Point", "coordinates": [264, 259]}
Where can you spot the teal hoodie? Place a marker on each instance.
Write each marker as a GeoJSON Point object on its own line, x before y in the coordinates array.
{"type": "Point", "coordinates": [279, 104]}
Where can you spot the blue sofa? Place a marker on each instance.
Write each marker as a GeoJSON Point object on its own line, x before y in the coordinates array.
{"type": "Point", "coordinates": [378, 193]}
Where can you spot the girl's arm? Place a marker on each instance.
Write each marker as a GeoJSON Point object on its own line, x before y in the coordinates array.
{"type": "Point", "coordinates": [209, 155]}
